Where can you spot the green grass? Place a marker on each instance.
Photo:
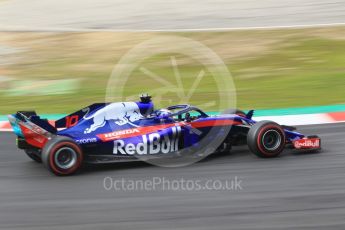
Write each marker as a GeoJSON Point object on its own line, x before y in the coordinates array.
{"type": "Point", "coordinates": [271, 69]}
{"type": "Point", "coordinates": [311, 72]}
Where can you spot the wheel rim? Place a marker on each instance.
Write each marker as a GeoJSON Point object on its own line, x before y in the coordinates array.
{"type": "Point", "coordinates": [271, 140]}
{"type": "Point", "coordinates": [65, 158]}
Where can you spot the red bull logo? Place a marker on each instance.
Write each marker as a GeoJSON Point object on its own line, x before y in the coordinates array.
{"type": "Point", "coordinates": [121, 113]}
{"type": "Point", "coordinates": [152, 143]}
{"type": "Point", "coordinates": [307, 143]}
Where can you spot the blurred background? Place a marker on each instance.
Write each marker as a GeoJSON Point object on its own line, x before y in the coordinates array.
{"type": "Point", "coordinates": [57, 56]}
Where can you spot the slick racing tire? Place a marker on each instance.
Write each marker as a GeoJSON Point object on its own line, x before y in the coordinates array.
{"type": "Point", "coordinates": [62, 156]}
{"type": "Point", "coordinates": [266, 139]}
{"type": "Point", "coordinates": [33, 155]}
{"type": "Point", "coordinates": [234, 111]}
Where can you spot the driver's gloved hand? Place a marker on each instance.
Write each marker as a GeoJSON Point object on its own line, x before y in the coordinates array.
{"type": "Point", "coordinates": [188, 118]}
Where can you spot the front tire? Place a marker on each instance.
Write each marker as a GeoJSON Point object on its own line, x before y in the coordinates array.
{"type": "Point", "coordinates": [62, 156]}
{"type": "Point", "coordinates": [266, 139]}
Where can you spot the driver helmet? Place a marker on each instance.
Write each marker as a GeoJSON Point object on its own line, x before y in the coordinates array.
{"type": "Point", "coordinates": [163, 113]}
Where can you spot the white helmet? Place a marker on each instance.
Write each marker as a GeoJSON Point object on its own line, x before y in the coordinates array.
{"type": "Point", "coordinates": [163, 113]}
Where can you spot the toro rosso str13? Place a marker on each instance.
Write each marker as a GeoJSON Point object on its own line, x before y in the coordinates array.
{"type": "Point", "coordinates": [113, 132]}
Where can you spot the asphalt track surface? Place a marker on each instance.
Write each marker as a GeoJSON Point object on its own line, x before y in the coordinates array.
{"type": "Point", "coordinates": [64, 15]}
{"type": "Point", "coordinates": [294, 191]}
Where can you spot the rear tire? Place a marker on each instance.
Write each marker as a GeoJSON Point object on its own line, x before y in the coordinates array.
{"type": "Point", "coordinates": [33, 155]}
{"type": "Point", "coordinates": [266, 139]}
{"type": "Point", "coordinates": [62, 156]}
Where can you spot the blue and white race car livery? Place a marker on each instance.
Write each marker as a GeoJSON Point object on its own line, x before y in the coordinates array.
{"type": "Point", "coordinates": [129, 131]}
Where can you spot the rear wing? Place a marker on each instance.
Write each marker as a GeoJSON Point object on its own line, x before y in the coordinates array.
{"type": "Point", "coordinates": [29, 126]}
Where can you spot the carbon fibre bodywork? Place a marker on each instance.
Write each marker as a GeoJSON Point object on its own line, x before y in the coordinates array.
{"type": "Point", "coordinates": [108, 132]}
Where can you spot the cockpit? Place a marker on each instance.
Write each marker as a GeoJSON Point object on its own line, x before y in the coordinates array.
{"type": "Point", "coordinates": [179, 113]}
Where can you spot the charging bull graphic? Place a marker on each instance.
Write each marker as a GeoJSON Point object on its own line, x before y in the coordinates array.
{"type": "Point", "coordinates": [122, 113]}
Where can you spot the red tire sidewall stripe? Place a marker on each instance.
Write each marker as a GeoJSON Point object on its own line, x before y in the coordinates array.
{"type": "Point", "coordinates": [52, 153]}
{"type": "Point", "coordinates": [259, 137]}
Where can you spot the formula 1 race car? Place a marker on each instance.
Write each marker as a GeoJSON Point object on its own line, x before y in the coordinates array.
{"type": "Point", "coordinates": [113, 132]}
